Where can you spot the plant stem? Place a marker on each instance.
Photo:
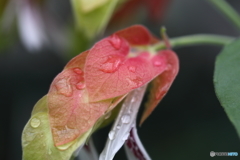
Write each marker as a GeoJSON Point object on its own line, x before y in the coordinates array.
{"type": "Point", "coordinates": [227, 11]}
{"type": "Point", "coordinates": [197, 39]}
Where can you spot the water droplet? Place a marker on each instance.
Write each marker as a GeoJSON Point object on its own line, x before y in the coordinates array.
{"type": "Point", "coordinates": [125, 118]}
{"type": "Point", "coordinates": [118, 127]}
{"type": "Point", "coordinates": [125, 137]}
{"type": "Point", "coordinates": [132, 69]}
{"type": "Point", "coordinates": [111, 64]}
{"type": "Point", "coordinates": [115, 41]}
{"type": "Point", "coordinates": [80, 85]}
{"type": "Point", "coordinates": [78, 71]}
{"type": "Point", "coordinates": [133, 99]}
{"type": "Point", "coordinates": [157, 63]}
{"type": "Point", "coordinates": [35, 122]}
{"type": "Point", "coordinates": [65, 146]}
{"type": "Point", "coordinates": [111, 135]}
{"type": "Point", "coordinates": [64, 87]}
{"type": "Point", "coordinates": [107, 115]}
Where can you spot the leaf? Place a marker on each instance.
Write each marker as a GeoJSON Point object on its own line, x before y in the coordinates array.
{"type": "Point", "coordinates": [93, 22]}
{"type": "Point", "coordinates": [111, 73]}
{"type": "Point", "coordinates": [227, 81]}
{"type": "Point", "coordinates": [89, 5]}
{"type": "Point", "coordinates": [137, 35]}
{"type": "Point", "coordinates": [161, 84]}
{"type": "Point", "coordinates": [37, 139]}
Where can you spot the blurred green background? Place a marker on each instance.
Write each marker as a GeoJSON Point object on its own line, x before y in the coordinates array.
{"type": "Point", "coordinates": [187, 124]}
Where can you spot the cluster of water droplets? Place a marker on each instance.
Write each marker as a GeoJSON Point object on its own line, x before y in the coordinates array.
{"type": "Point", "coordinates": [73, 77]}
{"type": "Point", "coordinates": [123, 124]}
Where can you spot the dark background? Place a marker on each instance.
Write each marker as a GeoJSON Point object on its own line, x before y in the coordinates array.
{"type": "Point", "coordinates": [188, 123]}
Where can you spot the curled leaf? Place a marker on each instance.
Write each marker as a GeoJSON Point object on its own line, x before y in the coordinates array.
{"type": "Point", "coordinates": [161, 84]}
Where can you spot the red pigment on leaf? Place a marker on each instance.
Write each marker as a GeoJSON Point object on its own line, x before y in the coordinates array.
{"type": "Point", "coordinates": [106, 78]}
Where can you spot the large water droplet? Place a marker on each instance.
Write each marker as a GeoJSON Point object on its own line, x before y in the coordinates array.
{"type": "Point", "coordinates": [115, 41]}
{"type": "Point", "coordinates": [111, 135]}
{"type": "Point", "coordinates": [80, 85]}
{"type": "Point", "coordinates": [63, 87]}
{"type": "Point", "coordinates": [78, 71]}
{"type": "Point", "coordinates": [132, 69]}
{"type": "Point", "coordinates": [111, 64]}
{"type": "Point", "coordinates": [125, 137]}
{"type": "Point", "coordinates": [125, 118]}
{"type": "Point", "coordinates": [35, 122]}
{"type": "Point", "coordinates": [65, 146]}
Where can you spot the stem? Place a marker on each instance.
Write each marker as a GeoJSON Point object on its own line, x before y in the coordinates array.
{"type": "Point", "coordinates": [227, 11]}
{"type": "Point", "coordinates": [197, 39]}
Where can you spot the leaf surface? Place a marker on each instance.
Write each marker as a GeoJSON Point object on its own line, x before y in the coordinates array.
{"type": "Point", "coordinates": [227, 81]}
{"type": "Point", "coordinates": [37, 141]}
{"type": "Point", "coordinates": [111, 73]}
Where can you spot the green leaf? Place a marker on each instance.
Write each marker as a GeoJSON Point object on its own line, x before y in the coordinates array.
{"type": "Point", "coordinates": [94, 20]}
{"type": "Point", "coordinates": [227, 81]}
{"type": "Point", "coordinates": [37, 141]}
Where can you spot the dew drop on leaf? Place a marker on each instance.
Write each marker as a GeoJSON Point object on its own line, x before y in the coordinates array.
{"type": "Point", "coordinates": [115, 41]}
{"type": "Point", "coordinates": [35, 122]}
{"type": "Point", "coordinates": [78, 71]}
{"type": "Point", "coordinates": [125, 118]}
{"type": "Point", "coordinates": [111, 64]}
{"type": "Point", "coordinates": [80, 85]}
{"type": "Point", "coordinates": [132, 69]}
{"type": "Point", "coordinates": [157, 63]}
{"type": "Point", "coordinates": [111, 135]}
{"type": "Point", "coordinates": [64, 88]}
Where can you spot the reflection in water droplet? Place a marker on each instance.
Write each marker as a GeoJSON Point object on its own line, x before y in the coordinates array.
{"type": "Point", "coordinates": [132, 69]}
{"type": "Point", "coordinates": [64, 87]}
{"type": "Point", "coordinates": [80, 85]}
{"type": "Point", "coordinates": [125, 118]}
{"type": "Point", "coordinates": [35, 122]}
{"type": "Point", "coordinates": [78, 71]}
{"type": "Point", "coordinates": [111, 64]}
{"type": "Point", "coordinates": [125, 137]}
{"type": "Point", "coordinates": [111, 135]}
{"type": "Point", "coordinates": [115, 41]}
{"type": "Point", "coordinates": [157, 63]}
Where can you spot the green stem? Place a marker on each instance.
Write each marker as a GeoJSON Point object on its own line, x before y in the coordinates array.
{"type": "Point", "coordinates": [227, 11]}
{"type": "Point", "coordinates": [197, 39]}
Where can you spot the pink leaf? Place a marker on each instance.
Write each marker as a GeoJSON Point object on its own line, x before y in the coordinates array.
{"type": "Point", "coordinates": [162, 83]}
{"type": "Point", "coordinates": [111, 73]}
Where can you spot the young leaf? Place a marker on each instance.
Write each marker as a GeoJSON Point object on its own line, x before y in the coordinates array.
{"type": "Point", "coordinates": [161, 84]}
{"type": "Point", "coordinates": [37, 141]}
{"type": "Point", "coordinates": [108, 62]}
{"type": "Point", "coordinates": [226, 81]}
{"type": "Point", "coordinates": [95, 20]}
